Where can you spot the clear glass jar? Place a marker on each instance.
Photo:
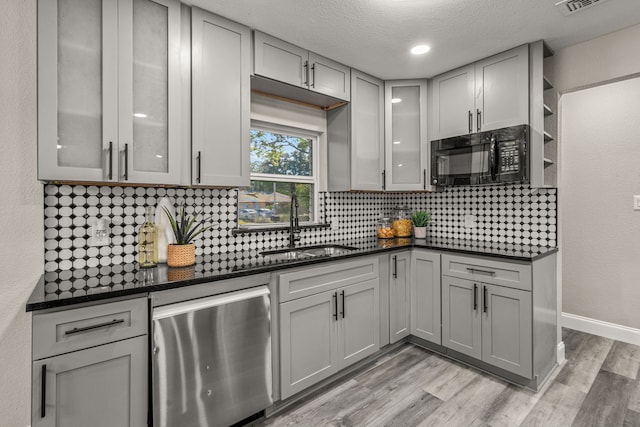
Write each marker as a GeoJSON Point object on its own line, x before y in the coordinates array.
{"type": "Point", "coordinates": [402, 221]}
{"type": "Point", "coordinates": [384, 229]}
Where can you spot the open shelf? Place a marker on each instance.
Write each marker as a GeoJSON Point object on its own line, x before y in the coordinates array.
{"type": "Point", "coordinates": [547, 137]}
{"type": "Point", "coordinates": [547, 110]}
{"type": "Point", "coordinates": [546, 51]}
{"type": "Point", "coordinates": [547, 162]}
{"type": "Point", "coordinates": [546, 83]}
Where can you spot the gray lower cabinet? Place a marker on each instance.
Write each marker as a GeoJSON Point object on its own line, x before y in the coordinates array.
{"type": "Point", "coordinates": [323, 333]}
{"type": "Point", "coordinates": [425, 295]}
{"type": "Point", "coordinates": [399, 296]}
{"type": "Point", "coordinates": [90, 366]}
{"type": "Point", "coordinates": [488, 322]}
{"type": "Point", "coordinates": [100, 386]}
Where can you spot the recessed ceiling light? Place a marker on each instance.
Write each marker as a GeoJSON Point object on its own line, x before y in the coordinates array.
{"type": "Point", "coordinates": [396, 100]}
{"type": "Point", "coordinates": [141, 115]}
{"type": "Point", "coordinates": [420, 49]}
{"type": "Point", "coordinates": [396, 142]}
{"type": "Point", "coordinates": [159, 156]}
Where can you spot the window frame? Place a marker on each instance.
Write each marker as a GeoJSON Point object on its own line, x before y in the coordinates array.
{"type": "Point", "coordinates": [314, 179]}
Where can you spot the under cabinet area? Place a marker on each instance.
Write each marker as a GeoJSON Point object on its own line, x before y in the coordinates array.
{"type": "Point", "coordinates": [109, 91]}
{"type": "Point", "coordinates": [492, 93]}
{"type": "Point", "coordinates": [220, 97]}
{"type": "Point", "coordinates": [90, 366]}
{"type": "Point", "coordinates": [284, 62]}
{"type": "Point", "coordinates": [331, 325]}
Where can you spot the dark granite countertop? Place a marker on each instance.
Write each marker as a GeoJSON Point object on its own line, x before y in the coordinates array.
{"type": "Point", "coordinates": [69, 287]}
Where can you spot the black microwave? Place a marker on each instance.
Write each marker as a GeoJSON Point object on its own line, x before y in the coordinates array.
{"type": "Point", "coordinates": [492, 157]}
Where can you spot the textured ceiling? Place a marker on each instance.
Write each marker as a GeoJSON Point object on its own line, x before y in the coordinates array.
{"type": "Point", "coordinates": [375, 36]}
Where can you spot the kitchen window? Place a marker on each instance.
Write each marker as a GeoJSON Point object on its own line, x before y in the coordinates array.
{"type": "Point", "coordinates": [284, 161]}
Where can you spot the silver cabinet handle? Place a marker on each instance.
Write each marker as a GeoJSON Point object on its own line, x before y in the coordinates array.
{"type": "Point", "coordinates": [92, 327]}
{"type": "Point", "coordinates": [475, 270]}
{"type": "Point", "coordinates": [313, 76]}
{"type": "Point", "coordinates": [306, 73]}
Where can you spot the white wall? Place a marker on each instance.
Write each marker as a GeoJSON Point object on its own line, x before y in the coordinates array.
{"type": "Point", "coordinates": [21, 211]}
{"type": "Point", "coordinates": [597, 181]}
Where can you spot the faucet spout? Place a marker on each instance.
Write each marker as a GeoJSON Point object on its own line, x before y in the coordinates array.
{"type": "Point", "coordinates": [294, 222]}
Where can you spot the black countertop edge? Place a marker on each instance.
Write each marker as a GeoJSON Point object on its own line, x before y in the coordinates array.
{"type": "Point", "coordinates": [37, 302]}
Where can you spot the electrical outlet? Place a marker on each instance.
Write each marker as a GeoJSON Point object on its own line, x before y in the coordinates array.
{"type": "Point", "coordinates": [335, 224]}
{"type": "Point", "coordinates": [470, 221]}
{"type": "Point", "coordinates": [99, 232]}
{"type": "Point", "coordinates": [636, 203]}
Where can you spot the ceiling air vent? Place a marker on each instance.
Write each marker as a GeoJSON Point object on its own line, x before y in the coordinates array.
{"type": "Point", "coordinates": [569, 7]}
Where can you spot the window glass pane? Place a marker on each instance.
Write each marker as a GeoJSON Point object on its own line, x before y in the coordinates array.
{"type": "Point", "coordinates": [269, 202]}
{"type": "Point", "coordinates": [280, 154]}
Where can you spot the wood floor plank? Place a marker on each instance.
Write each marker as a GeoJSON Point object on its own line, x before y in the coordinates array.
{"type": "Point", "coordinates": [606, 403]}
{"type": "Point", "coordinates": [623, 359]}
{"type": "Point", "coordinates": [415, 408]}
{"type": "Point", "coordinates": [558, 406]}
{"type": "Point", "coordinates": [405, 359]}
{"type": "Point", "coordinates": [510, 407]}
{"type": "Point", "coordinates": [584, 363]}
{"type": "Point", "coordinates": [631, 419]}
{"type": "Point", "coordinates": [448, 379]}
{"type": "Point", "coordinates": [467, 406]}
{"type": "Point", "coordinates": [634, 399]}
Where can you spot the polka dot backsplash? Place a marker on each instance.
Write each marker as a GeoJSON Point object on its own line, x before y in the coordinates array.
{"type": "Point", "coordinates": [506, 214]}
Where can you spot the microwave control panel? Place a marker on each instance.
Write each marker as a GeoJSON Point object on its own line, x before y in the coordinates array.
{"type": "Point", "coordinates": [509, 156]}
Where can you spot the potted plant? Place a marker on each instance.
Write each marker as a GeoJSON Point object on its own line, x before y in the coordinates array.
{"type": "Point", "coordinates": [185, 228]}
{"type": "Point", "coordinates": [420, 220]}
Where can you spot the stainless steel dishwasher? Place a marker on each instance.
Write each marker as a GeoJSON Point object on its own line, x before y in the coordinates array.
{"type": "Point", "coordinates": [212, 359]}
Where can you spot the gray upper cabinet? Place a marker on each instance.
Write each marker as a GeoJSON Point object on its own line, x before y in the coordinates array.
{"type": "Point", "coordinates": [287, 63]}
{"type": "Point", "coordinates": [221, 104]}
{"type": "Point", "coordinates": [425, 295]}
{"type": "Point", "coordinates": [406, 145]}
{"type": "Point", "coordinates": [399, 296]}
{"type": "Point", "coordinates": [355, 137]}
{"type": "Point", "coordinates": [490, 94]}
{"type": "Point", "coordinates": [109, 91]}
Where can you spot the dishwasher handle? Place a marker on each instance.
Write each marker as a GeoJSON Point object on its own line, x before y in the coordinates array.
{"type": "Point", "coordinates": [208, 302]}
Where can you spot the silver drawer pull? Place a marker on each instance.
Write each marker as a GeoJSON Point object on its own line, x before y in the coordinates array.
{"type": "Point", "coordinates": [475, 270]}
{"type": "Point", "coordinates": [98, 326]}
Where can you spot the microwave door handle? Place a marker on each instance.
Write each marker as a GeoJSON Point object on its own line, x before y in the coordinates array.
{"type": "Point", "coordinates": [493, 158]}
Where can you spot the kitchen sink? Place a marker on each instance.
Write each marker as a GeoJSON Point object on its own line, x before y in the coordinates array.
{"type": "Point", "coordinates": [308, 252]}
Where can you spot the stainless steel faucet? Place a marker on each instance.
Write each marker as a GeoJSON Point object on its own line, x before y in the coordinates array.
{"type": "Point", "coordinates": [294, 223]}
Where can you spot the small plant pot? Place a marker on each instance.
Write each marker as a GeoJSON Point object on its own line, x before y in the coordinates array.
{"type": "Point", "coordinates": [181, 255]}
{"type": "Point", "coordinates": [420, 232]}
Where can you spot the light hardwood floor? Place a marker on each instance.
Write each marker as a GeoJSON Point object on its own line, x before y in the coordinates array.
{"type": "Point", "coordinates": [598, 385]}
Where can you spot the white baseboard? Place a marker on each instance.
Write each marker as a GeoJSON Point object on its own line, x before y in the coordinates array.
{"type": "Point", "coordinates": [560, 353]}
{"type": "Point", "coordinates": [603, 329]}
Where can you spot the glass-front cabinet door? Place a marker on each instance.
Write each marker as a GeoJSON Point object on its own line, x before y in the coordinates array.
{"type": "Point", "coordinates": [406, 147]}
{"type": "Point", "coordinates": [107, 72]}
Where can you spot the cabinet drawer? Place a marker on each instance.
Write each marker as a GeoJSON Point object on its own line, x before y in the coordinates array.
{"type": "Point", "coordinates": [484, 270]}
{"type": "Point", "coordinates": [332, 275]}
{"type": "Point", "coordinates": [69, 330]}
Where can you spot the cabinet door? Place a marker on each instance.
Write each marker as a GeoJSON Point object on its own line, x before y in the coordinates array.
{"type": "Point", "coordinates": [220, 100]}
{"type": "Point", "coordinates": [507, 329]}
{"type": "Point", "coordinates": [329, 77]}
{"type": "Point", "coordinates": [405, 135]}
{"type": "Point", "coordinates": [502, 85]}
{"type": "Point", "coordinates": [359, 333]}
{"type": "Point", "coordinates": [461, 316]}
{"type": "Point", "coordinates": [367, 132]}
{"type": "Point", "coordinates": [279, 60]}
{"type": "Point", "coordinates": [399, 296]}
{"type": "Point", "coordinates": [100, 386]}
{"type": "Point", "coordinates": [425, 296]}
{"type": "Point", "coordinates": [149, 91]}
{"type": "Point", "coordinates": [308, 338]}
{"type": "Point", "coordinates": [453, 104]}
{"type": "Point", "coordinates": [77, 90]}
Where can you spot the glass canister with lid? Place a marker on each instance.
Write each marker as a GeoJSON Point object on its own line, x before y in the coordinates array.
{"type": "Point", "coordinates": [384, 229]}
{"type": "Point", "coordinates": [402, 221]}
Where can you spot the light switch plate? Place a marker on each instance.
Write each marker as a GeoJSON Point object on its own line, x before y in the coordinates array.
{"type": "Point", "coordinates": [636, 203]}
{"type": "Point", "coordinates": [470, 221]}
{"type": "Point", "coordinates": [98, 232]}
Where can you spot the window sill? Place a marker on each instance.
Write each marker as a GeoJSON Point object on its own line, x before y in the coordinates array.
{"type": "Point", "coordinates": [257, 229]}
